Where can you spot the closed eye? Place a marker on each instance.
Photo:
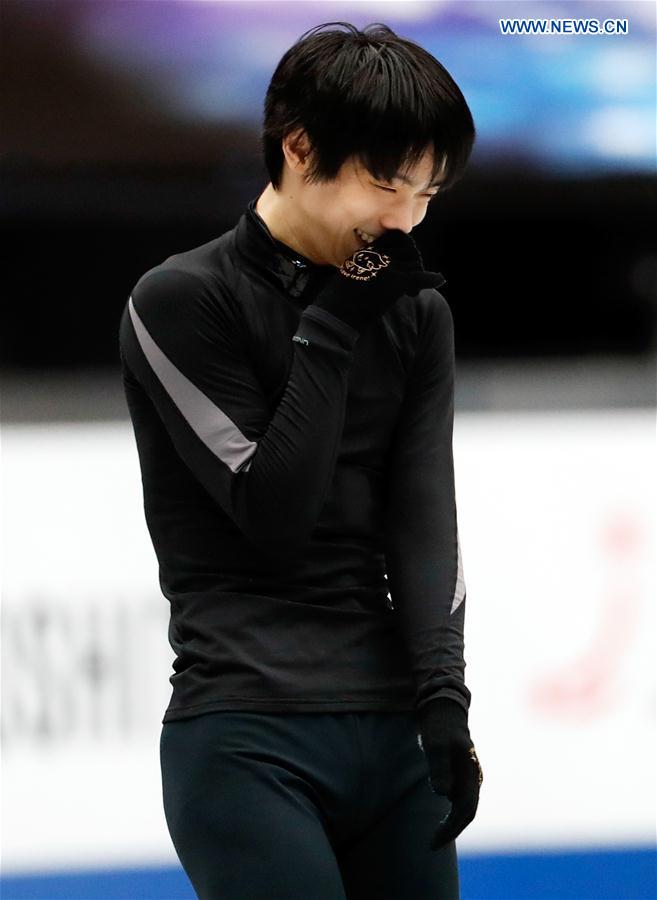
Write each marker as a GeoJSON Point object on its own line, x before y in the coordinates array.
{"type": "Point", "coordinates": [390, 190]}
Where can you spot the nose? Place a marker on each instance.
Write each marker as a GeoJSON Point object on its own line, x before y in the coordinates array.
{"type": "Point", "coordinates": [401, 217]}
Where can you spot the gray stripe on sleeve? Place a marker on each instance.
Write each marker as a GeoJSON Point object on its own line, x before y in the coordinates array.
{"type": "Point", "coordinates": [459, 591]}
{"type": "Point", "coordinates": [219, 433]}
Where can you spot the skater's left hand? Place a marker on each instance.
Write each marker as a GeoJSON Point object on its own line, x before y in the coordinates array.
{"type": "Point", "coordinates": [454, 769]}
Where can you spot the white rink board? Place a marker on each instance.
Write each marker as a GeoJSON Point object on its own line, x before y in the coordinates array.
{"type": "Point", "coordinates": [557, 529]}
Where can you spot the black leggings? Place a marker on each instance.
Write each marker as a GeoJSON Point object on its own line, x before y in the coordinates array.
{"type": "Point", "coordinates": [304, 806]}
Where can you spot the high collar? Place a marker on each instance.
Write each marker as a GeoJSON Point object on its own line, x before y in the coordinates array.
{"type": "Point", "coordinates": [274, 259]}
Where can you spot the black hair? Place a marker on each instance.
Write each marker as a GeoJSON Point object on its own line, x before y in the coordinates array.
{"type": "Point", "coordinates": [368, 94]}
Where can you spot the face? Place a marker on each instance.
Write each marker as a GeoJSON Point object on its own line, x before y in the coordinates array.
{"type": "Point", "coordinates": [345, 215]}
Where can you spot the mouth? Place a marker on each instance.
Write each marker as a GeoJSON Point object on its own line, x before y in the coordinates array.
{"type": "Point", "coordinates": [364, 238]}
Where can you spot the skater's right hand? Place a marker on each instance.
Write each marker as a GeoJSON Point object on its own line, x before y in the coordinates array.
{"type": "Point", "coordinates": [371, 279]}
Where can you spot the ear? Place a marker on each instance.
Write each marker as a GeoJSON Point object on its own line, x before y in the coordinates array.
{"type": "Point", "coordinates": [296, 149]}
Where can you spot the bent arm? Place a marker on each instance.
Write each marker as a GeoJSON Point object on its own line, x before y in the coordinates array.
{"type": "Point", "coordinates": [184, 343]}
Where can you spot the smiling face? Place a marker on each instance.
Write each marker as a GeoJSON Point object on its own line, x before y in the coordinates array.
{"type": "Point", "coordinates": [329, 221]}
{"type": "Point", "coordinates": [357, 208]}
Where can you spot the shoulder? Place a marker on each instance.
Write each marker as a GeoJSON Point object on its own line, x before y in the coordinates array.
{"type": "Point", "coordinates": [432, 310]}
{"type": "Point", "coordinates": [422, 315]}
{"type": "Point", "coordinates": [434, 356]}
{"type": "Point", "coordinates": [200, 278]}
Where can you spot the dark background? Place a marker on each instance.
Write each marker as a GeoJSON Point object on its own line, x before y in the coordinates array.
{"type": "Point", "coordinates": [102, 180]}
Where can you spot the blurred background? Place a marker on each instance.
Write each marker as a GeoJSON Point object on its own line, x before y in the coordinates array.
{"type": "Point", "coordinates": [131, 132]}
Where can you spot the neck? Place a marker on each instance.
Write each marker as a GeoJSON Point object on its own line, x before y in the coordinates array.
{"type": "Point", "coordinates": [281, 215]}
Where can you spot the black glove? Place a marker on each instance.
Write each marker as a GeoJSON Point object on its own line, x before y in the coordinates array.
{"type": "Point", "coordinates": [454, 769]}
{"type": "Point", "coordinates": [370, 280]}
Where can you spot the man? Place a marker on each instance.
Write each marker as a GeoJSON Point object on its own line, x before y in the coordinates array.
{"type": "Point", "coordinates": [290, 385]}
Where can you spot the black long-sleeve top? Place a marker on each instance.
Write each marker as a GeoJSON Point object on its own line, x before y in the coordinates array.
{"type": "Point", "coordinates": [298, 484]}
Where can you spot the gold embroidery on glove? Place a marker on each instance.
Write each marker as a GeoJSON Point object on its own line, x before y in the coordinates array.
{"type": "Point", "coordinates": [473, 756]}
{"type": "Point", "coordinates": [364, 265]}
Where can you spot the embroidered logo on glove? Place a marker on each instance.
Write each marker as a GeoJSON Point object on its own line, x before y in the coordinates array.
{"type": "Point", "coordinates": [364, 265]}
{"type": "Point", "coordinates": [474, 758]}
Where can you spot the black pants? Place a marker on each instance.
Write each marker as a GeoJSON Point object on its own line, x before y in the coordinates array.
{"type": "Point", "coordinates": [304, 806]}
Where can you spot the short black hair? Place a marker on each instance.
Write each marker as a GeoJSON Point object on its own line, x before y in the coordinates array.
{"type": "Point", "coordinates": [368, 94]}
